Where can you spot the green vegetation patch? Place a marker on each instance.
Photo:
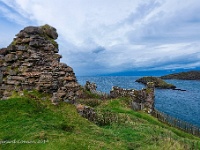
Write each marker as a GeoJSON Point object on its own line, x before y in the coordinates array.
{"type": "Point", "coordinates": [32, 118]}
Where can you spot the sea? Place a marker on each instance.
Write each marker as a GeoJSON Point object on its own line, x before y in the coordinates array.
{"type": "Point", "coordinates": [183, 105]}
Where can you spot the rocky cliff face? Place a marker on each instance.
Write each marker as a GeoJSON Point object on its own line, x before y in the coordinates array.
{"type": "Point", "coordinates": [32, 61]}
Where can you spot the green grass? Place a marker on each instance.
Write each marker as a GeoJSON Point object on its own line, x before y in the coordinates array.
{"type": "Point", "coordinates": [33, 118]}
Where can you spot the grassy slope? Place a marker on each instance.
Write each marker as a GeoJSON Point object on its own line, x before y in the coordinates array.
{"type": "Point", "coordinates": [31, 119]}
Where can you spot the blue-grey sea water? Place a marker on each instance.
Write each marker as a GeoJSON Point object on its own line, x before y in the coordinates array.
{"type": "Point", "coordinates": [184, 105]}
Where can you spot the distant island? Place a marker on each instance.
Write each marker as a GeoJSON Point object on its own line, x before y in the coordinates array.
{"type": "Point", "coordinates": [159, 83]}
{"type": "Point", "coordinates": [190, 75]}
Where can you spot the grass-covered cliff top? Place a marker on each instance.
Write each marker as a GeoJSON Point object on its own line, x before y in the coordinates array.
{"type": "Point", "coordinates": [32, 118]}
{"type": "Point", "coordinates": [191, 75]}
{"type": "Point", "coordinates": [159, 83]}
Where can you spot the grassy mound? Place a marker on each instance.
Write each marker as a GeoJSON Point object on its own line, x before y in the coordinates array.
{"type": "Point", "coordinates": [159, 83]}
{"type": "Point", "coordinates": [31, 122]}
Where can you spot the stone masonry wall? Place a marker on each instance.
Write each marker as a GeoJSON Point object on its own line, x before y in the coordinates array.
{"type": "Point", "coordinates": [32, 61]}
{"type": "Point", "coordinates": [141, 99]}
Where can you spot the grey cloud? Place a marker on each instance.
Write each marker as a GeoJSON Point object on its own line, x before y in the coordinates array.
{"type": "Point", "coordinates": [142, 11]}
{"type": "Point", "coordinates": [99, 49]}
{"type": "Point", "coordinates": [169, 26]}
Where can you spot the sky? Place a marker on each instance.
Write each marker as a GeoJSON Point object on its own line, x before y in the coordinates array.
{"type": "Point", "coordinates": [100, 37]}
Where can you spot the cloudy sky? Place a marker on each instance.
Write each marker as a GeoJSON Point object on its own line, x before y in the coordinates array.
{"type": "Point", "coordinates": [109, 36]}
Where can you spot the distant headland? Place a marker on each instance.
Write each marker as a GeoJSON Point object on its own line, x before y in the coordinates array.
{"type": "Point", "coordinates": [159, 83]}
{"type": "Point", "coordinates": [190, 75]}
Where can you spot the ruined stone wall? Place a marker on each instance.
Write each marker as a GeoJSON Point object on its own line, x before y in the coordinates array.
{"type": "Point", "coordinates": [32, 61]}
{"type": "Point", "coordinates": [92, 87]}
{"type": "Point", "coordinates": [141, 99]}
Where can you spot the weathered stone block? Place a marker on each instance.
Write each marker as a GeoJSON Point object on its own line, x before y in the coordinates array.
{"type": "Point", "coordinates": [11, 48]}
{"type": "Point", "coordinates": [1, 77]}
{"type": "Point", "coordinates": [17, 78]}
{"type": "Point", "coordinates": [25, 40]}
{"type": "Point", "coordinates": [10, 57]}
{"type": "Point", "coordinates": [50, 31]}
{"type": "Point", "coordinates": [35, 43]}
{"type": "Point", "coordinates": [13, 82]}
{"type": "Point", "coordinates": [21, 47]}
{"type": "Point", "coordinates": [49, 47]}
{"type": "Point", "coordinates": [69, 78]}
{"type": "Point", "coordinates": [61, 94]}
